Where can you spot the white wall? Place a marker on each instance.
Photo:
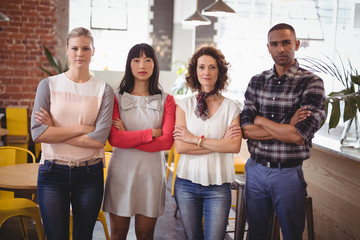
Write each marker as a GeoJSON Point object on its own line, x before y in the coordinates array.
{"type": "Point", "coordinates": [113, 78]}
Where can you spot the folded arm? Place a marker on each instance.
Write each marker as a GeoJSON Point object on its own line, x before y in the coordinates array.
{"type": "Point", "coordinates": [127, 139]}
{"type": "Point", "coordinates": [186, 142]}
{"type": "Point", "coordinates": [165, 141]}
{"type": "Point", "coordinates": [283, 132]}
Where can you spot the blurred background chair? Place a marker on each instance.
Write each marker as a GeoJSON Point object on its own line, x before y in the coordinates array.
{"type": "Point", "coordinates": [12, 207]}
{"type": "Point", "coordinates": [22, 208]}
{"type": "Point", "coordinates": [12, 155]}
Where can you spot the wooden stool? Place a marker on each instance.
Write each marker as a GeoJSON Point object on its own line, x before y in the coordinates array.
{"type": "Point", "coordinates": [240, 216]}
{"type": "Point", "coordinates": [275, 231]}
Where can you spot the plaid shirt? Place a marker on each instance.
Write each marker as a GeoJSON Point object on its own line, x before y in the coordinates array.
{"type": "Point", "coordinates": [278, 99]}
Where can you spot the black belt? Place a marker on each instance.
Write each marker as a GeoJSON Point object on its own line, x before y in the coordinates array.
{"type": "Point", "coordinates": [278, 165]}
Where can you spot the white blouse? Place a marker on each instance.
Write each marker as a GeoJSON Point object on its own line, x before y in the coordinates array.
{"type": "Point", "coordinates": [213, 168]}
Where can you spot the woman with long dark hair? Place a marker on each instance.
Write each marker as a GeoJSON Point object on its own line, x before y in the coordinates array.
{"type": "Point", "coordinates": [143, 122]}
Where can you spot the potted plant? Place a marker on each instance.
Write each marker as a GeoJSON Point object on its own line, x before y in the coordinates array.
{"type": "Point", "coordinates": [54, 63]}
{"type": "Point", "coordinates": [180, 87]}
{"type": "Point", "coordinates": [348, 76]}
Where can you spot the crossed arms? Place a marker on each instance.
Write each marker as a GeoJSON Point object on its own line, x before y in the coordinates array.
{"type": "Point", "coordinates": [266, 129]}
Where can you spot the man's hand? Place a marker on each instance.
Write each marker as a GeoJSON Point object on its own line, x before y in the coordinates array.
{"type": "Point", "coordinates": [300, 115]}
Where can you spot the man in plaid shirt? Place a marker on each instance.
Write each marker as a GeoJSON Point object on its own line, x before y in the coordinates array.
{"type": "Point", "coordinates": [284, 107]}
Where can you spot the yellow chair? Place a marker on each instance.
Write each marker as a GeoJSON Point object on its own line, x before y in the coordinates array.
{"type": "Point", "coordinates": [23, 208]}
{"type": "Point", "coordinates": [17, 124]}
{"type": "Point", "coordinates": [172, 162]}
{"type": "Point", "coordinates": [9, 156]}
{"type": "Point", "coordinates": [176, 161]}
{"type": "Point", "coordinates": [169, 165]}
{"type": "Point", "coordinates": [108, 147]}
{"type": "Point", "coordinates": [239, 164]}
{"type": "Point", "coordinates": [11, 206]}
{"type": "Point", "coordinates": [101, 216]}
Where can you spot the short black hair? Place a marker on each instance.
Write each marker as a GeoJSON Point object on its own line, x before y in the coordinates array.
{"type": "Point", "coordinates": [281, 26]}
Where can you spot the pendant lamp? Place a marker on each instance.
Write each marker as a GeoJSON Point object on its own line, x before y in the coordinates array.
{"type": "Point", "coordinates": [3, 17]}
{"type": "Point", "coordinates": [218, 9]}
{"type": "Point", "coordinates": [197, 19]}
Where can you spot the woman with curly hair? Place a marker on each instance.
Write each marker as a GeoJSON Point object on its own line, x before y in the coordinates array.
{"type": "Point", "coordinates": [207, 133]}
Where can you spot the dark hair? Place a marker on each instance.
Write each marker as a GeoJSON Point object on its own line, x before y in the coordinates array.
{"type": "Point", "coordinates": [127, 83]}
{"type": "Point", "coordinates": [281, 26]}
{"type": "Point", "coordinates": [223, 66]}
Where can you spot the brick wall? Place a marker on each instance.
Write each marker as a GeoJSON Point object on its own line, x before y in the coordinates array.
{"type": "Point", "coordinates": [32, 24]}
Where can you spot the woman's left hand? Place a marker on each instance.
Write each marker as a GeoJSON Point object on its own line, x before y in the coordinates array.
{"type": "Point", "coordinates": [43, 117]}
{"type": "Point", "coordinates": [181, 133]}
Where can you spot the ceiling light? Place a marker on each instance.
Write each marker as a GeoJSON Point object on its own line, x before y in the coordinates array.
{"type": "Point", "coordinates": [3, 17]}
{"type": "Point", "coordinates": [218, 9]}
{"type": "Point", "coordinates": [197, 19]}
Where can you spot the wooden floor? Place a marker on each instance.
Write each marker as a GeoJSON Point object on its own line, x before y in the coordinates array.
{"type": "Point", "coordinates": [167, 228]}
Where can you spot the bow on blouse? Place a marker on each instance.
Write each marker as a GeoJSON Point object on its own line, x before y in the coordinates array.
{"type": "Point", "coordinates": [129, 101]}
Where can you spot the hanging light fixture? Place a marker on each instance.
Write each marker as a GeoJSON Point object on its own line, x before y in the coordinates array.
{"type": "Point", "coordinates": [3, 17]}
{"type": "Point", "coordinates": [218, 9]}
{"type": "Point", "coordinates": [197, 19]}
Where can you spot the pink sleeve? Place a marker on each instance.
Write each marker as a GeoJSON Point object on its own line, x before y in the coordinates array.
{"type": "Point", "coordinates": [127, 139]}
{"type": "Point", "coordinates": [165, 141]}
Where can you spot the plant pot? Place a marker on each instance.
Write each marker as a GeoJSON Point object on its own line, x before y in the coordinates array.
{"type": "Point", "coordinates": [351, 134]}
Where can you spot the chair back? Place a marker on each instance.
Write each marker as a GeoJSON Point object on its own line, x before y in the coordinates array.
{"type": "Point", "coordinates": [108, 147]}
{"type": "Point", "coordinates": [107, 160]}
{"type": "Point", "coordinates": [169, 161]}
{"type": "Point", "coordinates": [8, 155]}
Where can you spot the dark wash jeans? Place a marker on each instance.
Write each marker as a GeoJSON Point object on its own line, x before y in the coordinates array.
{"type": "Point", "coordinates": [58, 186]}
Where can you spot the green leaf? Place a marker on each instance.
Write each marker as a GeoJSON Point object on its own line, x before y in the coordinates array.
{"type": "Point", "coordinates": [349, 110]}
{"type": "Point", "coordinates": [356, 79]}
{"type": "Point", "coordinates": [53, 62]}
{"type": "Point", "coordinates": [335, 113]}
{"type": "Point", "coordinates": [46, 71]}
{"type": "Point", "coordinates": [356, 99]}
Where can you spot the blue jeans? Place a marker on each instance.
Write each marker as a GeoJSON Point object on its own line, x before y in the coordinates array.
{"type": "Point", "coordinates": [58, 186]}
{"type": "Point", "coordinates": [279, 189]}
{"type": "Point", "coordinates": [209, 202]}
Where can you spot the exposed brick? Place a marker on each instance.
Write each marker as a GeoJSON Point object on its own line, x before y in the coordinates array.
{"type": "Point", "coordinates": [33, 23]}
{"type": "Point", "coordinates": [43, 8]}
{"type": "Point", "coordinates": [12, 89]}
{"type": "Point", "coordinates": [28, 7]}
{"type": "Point", "coordinates": [16, 35]}
{"type": "Point", "coordinates": [19, 81]}
{"type": "Point", "coordinates": [25, 88]}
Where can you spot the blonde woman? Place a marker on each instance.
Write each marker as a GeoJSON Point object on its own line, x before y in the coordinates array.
{"type": "Point", "coordinates": [72, 119]}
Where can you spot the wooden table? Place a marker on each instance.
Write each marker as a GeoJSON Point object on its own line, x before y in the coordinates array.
{"type": "Point", "coordinates": [19, 178]}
